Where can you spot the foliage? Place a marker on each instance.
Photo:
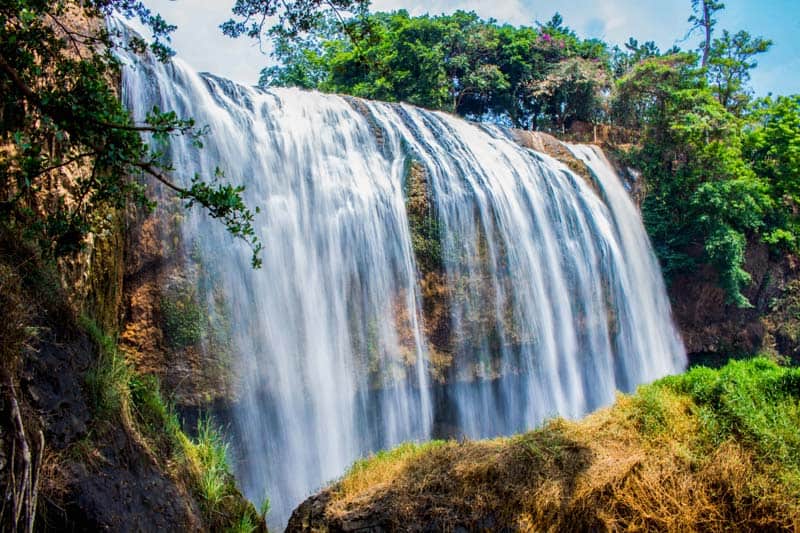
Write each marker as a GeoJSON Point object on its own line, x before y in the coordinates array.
{"type": "Point", "coordinates": [246, 524]}
{"type": "Point", "coordinates": [459, 63]}
{"type": "Point", "coordinates": [772, 149]}
{"type": "Point", "coordinates": [120, 395]}
{"type": "Point", "coordinates": [155, 417]}
{"type": "Point", "coordinates": [210, 452]}
{"type": "Point", "coordinates": [109, 380]}
{"type": "Point", "coordinates": [70, 148]}
{"type": "Point", "coordinates": [755, 402]}
{"type": "Point", "coordinates": [729, 65]}
{"type": "Point", "coordinates": [265, 507]}
{"type": "Point", "coordinates": [702, 18]}
{"type": "Point", "coordinates": [294, 16]}
{"type": "Point", "coordinates": [704, 184]}
{"type": "Point", "coordinates": [205, 457]}
{"type": "Point", "coordinates": [184, 317]}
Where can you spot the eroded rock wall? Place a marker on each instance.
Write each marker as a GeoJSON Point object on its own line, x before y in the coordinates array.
{"type": "Point", "coordinates": [714, 330]}
{"type": "Point", "coordinates": [175, 320]}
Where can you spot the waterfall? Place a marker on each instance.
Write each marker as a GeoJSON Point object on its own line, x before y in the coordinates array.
{"type": "Point", "coordinates": [421, 276]}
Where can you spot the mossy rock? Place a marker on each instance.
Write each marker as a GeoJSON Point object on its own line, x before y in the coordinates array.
{"type": "Point", "coordinates": [185, 320]}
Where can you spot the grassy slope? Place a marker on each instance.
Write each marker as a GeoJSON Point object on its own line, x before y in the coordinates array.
{"type": "Point", "coordinates": [707, 450]}
{"type": "Point", "coordinates": [121, 396]}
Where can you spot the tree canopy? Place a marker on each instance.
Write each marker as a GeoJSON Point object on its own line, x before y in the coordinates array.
{"type": "Point", "coordinates": [525, 76]}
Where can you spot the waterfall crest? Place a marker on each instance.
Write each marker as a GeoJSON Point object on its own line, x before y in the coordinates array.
{"type": "Point", "coordinates": [548, 298]}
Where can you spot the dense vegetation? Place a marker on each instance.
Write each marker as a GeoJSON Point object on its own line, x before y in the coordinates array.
{"type": "Point", "coordinates": [121, 397]}
{"type": "Point", "coordinates": [704, 451]}
{"type": "Point", "coordinates": [722, 167]}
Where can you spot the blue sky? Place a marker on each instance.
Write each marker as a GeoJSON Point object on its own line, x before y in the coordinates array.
{"type": "Point", "coordinates": [199, 41]}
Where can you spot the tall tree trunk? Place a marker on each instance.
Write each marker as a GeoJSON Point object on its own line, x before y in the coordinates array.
{"type": "Point", "coordinates": [707, 25]}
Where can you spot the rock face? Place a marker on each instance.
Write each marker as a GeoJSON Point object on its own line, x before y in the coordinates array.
{"type": "Point", "coordinates": [174, 315]}
{"type": "Point", "coordinates": [87, 482]}
{"type": "Point", "coordinates": [125, 491]}
{"type": "Point", "coordinates": [714, 330]}
{"type": "Point", "coordinates": [312, 516]}
{"type": "Point", "coordinates": [437, 300]}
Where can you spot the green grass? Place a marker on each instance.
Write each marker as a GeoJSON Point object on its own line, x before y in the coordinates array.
{"type": "Point", "coordinates": [649, 411]}
{"type": "Point", "coordinates": [383, 458]}
{"type": "Point", "coordinates": [383, 465]}
{"type": "Point", "coordinates": [265, 507]}
{"type": "Point", "coordinates": [119, 395]}
{"type": "Point", "coordinates": [756, 402]}
{"type": "Point", "coordinates": [246, 524]}
{"type": "Point", "coordinates": [212, 454]}
{"type": "Point", "coordinates": [108, 381]}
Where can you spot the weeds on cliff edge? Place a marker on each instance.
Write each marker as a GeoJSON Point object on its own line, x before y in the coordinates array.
{"type": "Point", "coordinates": [108, 381]}
{"type": "Point", "coordinates": [136, 401]}
{"type": "Point", "coordinates": [156, 417]}
{"type": "Point", "coordinates": [211, 452]}
{"type": "Point", "coordinates": [244, 525]}
{"type": "Point", "coordinates": [265, 507]}
{"type": "Point", "coordinates": [382, 465]}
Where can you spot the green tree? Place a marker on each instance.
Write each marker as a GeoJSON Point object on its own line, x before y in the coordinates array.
{"type": "Point", "coordinates": [729, 66]}
{"type": "Point", "coordinates": [720, 173]}
{"type": "Point", "coordinates": [701, 188]}
{"type": "Point", "coordinates": [59, 110]}
{"type": "Point", "coordinates": [772, 147]}
{"type": "Point", "coordinates": [624, 59]}
{"type": "Point", "coordinates": [530, 77]}
{"type": "Point", "coordinates": [295, 17]}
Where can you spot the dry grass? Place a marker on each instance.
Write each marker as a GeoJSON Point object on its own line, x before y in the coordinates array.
{"type": "Point", "coordinates": [656, 461]}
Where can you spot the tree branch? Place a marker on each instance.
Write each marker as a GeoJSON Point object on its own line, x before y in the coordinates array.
{"type": "Point", "coordinates": [154, 172]}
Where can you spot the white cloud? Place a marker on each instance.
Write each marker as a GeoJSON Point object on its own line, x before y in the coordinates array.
{"type": "Point", "coordinates": [200, 42]}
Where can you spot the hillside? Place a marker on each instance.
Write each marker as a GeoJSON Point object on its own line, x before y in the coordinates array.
{"type": "Point", "coordinates": [707, 450]}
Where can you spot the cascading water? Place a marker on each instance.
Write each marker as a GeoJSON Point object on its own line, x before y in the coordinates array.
{"type": "Point", "coordinates": [551, 294]}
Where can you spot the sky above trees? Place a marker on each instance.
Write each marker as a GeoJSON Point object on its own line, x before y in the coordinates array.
{"type": "Point", "coordinates": [199, 41]}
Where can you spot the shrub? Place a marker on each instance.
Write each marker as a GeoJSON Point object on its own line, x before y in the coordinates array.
{"type": "Point", "coordinates": [754, 401]}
